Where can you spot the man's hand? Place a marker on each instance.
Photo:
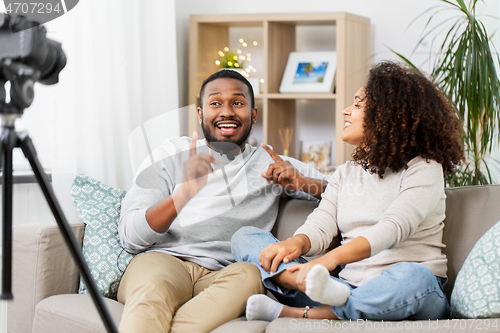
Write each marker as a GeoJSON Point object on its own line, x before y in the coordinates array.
{"type": "Point", "coordinates": [282, 172]}
{"type": "Point", "coordinates": [196, 170]}
{"type": "Point", "coordinates": [285, 251]}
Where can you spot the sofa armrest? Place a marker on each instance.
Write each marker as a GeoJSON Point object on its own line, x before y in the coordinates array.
{"type": "Point", "coordinates": [42, 266]}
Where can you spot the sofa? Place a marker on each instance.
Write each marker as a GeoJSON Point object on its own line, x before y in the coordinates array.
{"type": "Point", "coordinates": [45, 279]}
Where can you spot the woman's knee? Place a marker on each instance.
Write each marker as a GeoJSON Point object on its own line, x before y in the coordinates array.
{"type": "Point", "coordinates": [411, 270]}
{"type": "Point", "coordinates": [247, 242]}
{"type": "Point", "coordinates": [245, 233]}
{"type": "Point", "coordinates": [422, 279]}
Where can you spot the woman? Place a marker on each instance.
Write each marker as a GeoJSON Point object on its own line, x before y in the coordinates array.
{"type": "Point", "coordinates": [388, 204]}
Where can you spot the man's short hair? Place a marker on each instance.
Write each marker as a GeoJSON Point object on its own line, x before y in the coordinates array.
{"type": "Point", "coordinates": [231, 74]}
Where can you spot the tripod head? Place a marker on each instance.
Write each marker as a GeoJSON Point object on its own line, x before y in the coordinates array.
{"type": "Point", "coordinates": [22, 79]}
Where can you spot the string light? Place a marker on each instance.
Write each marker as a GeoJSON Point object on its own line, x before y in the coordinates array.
{"type": "Point", "coordinates": [228, 59]}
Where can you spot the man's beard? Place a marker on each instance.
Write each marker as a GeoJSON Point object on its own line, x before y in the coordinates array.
{"type": "Point", "coordinates": [226, 145]}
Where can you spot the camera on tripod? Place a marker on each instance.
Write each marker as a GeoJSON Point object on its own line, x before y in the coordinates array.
{"type": "Point", "coordinates": [26, 56]}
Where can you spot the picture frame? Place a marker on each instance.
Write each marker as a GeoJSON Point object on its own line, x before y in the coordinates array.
{"type": "Point", "coordinates": [317, 155]}
{"type": "Point", "coordinates": [309, 72]}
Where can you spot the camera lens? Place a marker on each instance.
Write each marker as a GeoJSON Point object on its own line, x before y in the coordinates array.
{"type": "Point", "coordinates": [51, 61]}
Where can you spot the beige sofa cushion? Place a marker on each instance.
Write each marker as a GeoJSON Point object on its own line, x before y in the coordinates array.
{"type": "Point", "coordinates": [241, 325]}
{"type": "Point", "coordinates": [73, 313]}
{"type": "Point", "coordinates": [36, 274]}
{"type": "Point", "coordinates": [470, 212]}
{"type": "Point", "coordinates": [282, 325]}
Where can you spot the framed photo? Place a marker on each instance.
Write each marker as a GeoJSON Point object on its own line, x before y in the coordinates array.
{"type": "Point", "coordinates": [309, 72]}
{"type": "Point", "coordinates": [318, 155]}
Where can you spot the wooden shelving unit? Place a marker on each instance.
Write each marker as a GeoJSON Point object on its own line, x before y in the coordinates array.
{"type": "Point", "coordinates": [210, 33]}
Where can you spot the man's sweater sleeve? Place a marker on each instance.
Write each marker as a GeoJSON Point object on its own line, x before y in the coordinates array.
{"type": "Point", "coordinates": [135, 233]}
{"type": "Point", "coordinates": [307, 171]}
{"type": "Point", "coordinates": [151, 185]}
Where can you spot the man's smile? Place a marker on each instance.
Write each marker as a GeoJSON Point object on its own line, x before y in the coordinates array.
{"type": "Point", "coordinates": [227, 127]}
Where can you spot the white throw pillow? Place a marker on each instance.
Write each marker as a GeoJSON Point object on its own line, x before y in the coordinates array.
{"type": "Point", "coordinates": [476, 293]}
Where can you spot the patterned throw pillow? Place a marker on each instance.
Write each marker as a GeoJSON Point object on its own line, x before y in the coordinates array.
{"type": "Point", "coordinates": [476, 293]}
{"type": "Point", "coordinates": [99, 206]}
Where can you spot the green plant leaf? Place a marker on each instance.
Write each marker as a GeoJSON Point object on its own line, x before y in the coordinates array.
{"type": "Point", "coordinates": [465, 68]}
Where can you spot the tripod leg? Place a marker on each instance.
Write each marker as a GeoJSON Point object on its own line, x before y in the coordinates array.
{"type": "Point", "coordinates": [8, 140]}
{"type": "Point", "coordinates": [30, 153]}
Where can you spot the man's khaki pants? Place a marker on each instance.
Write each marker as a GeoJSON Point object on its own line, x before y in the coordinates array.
{"type": "Point", "coordinates": [162, 293]}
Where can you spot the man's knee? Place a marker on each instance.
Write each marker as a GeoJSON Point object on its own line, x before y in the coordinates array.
{"type": "Point", "coordinates": [154, 272]}
{"type": "Point", "coordinates": [246, 276]}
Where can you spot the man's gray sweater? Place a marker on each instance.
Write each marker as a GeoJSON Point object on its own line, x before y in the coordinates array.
{"type": "Point", "coordinates": [235, 195]}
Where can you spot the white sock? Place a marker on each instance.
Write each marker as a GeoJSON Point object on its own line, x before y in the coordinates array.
{"type": "Point", "coordinates": [321, 288]}
{"type": "Point", "coordinates": [261, 307]}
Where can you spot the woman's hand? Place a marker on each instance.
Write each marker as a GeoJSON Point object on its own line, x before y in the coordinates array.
{"type": "Point", "coordinates": [303, 269]}
{"type": "Point", "coordinates": [355, 250]}
{"type": "Point", "coordinates": [285, 251]}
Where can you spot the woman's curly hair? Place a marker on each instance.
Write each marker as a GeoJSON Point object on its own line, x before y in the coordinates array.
{"type": "Point", "coordinates": [406, 115]}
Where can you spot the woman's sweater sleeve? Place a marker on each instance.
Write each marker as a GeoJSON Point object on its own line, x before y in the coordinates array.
{"type": "Point", "coordinates": [321, 225]}
{"type": "Point", "coordinates": [421, 189]}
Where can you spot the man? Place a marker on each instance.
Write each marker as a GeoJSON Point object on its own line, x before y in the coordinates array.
{"type": "Point", "coordinates": [183, 210]}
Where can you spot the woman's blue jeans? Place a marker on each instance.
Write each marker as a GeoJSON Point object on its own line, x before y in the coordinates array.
{"type": "Point", "coordinates": [407, 290]}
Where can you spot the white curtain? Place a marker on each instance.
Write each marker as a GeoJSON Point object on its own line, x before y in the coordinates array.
{"type": "Point", "coordinates": [121, 72]}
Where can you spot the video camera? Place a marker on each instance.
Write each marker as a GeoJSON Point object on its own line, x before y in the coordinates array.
{"type": "Point", "coordinates": [26, 56]}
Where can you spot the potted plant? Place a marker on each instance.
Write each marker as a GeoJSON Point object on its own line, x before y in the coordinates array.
{"type": "Point", "coordinates": [465, 69]}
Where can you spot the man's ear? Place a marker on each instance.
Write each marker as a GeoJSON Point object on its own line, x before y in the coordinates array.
{"type": "Point", "coordinates": [254, 115]}
{"type": "Point", "coordinates": [200, 114]}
